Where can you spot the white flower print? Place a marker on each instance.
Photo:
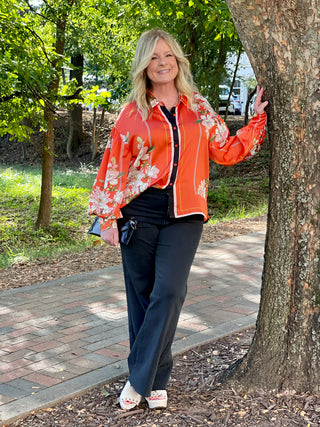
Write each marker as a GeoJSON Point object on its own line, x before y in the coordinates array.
{"type": "Point", "coordinates": [125, 138]}
{"type": "Point", "coordinates": [142, 156]}
{"type": "Point", "coordinates": [118, 197]}
{"type": "Point", "coordinates": [140, 172]}
{"type": "Point", "coordinates": [207, 121]}
{"type": "Point", "coordinates": [112, 177]}
{"type": "Point", "coordinates": [221, 134]}
{"type": "Point", "coordinates": [101, 200]}
{"type": "Point", "coordinates": [154, 102]}
{"type": "Point", "coordinates": [152, 171]}
{"type": "Point", "coordinates": [203, 188]}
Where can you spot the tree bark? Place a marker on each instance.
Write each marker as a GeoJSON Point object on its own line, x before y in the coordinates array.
{"type": "Point", "coordinates": [282, 40]}
{"type": "Point", "coordinates": [96, 131]}
{"type": "Point", "coordinates": [75, 137]}
{"type": "Point", "coordinates": [233, 82]}
{"type": "Point", "coordinates": [217, 72]}
{"type": "Point", "coordinates": [44, 212]}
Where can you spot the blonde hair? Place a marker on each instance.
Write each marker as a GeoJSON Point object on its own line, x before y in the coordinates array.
{"type": "Point", "coordinates": [141, 84]}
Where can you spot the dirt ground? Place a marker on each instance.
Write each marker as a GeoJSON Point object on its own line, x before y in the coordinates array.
{"type": "Point", "coordinates": [196, 398]}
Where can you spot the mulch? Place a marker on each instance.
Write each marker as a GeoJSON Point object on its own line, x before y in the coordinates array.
{"type": "Point", "coordinates": [196, 398]}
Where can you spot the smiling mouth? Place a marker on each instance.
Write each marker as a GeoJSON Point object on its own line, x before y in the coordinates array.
{"type": "Point", "coordinates": [164, 71]}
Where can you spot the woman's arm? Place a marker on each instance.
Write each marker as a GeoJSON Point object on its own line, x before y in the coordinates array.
{"type": "Point", "coordinates": [228, 150]}
{"type": "Point", "coordinates": [107, 193]}
{"type": "Point", "coordinates": [258, 105]}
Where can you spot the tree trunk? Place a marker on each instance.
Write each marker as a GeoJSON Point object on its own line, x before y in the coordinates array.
{"type": "Point", "coordinates": [190, 38]}
{"type": "Point", "coordinates": [217, 73]}
{"type": "Point", "coordinates": [96, 132]}
{"type": "Point", "coordinates": [44, 212]}
{"type": "Point", "coordinates": [233, 81]}
{"type": "Point", "coordinates": [282, 40]}
{"type": "Point", "coordinates": [94, 143]}
{"type": "Point", "coordinates": [75, 137]}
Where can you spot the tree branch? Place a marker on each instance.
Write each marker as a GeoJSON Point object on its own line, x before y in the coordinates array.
{"type": "Point", "coordinates": [42, 44]}
{"type": "Point", "coordinates": [74, 96]}
{"type": "Point", "coordinates": [8, 97]}
{"type": "Point", "coordinates": [33, 10]}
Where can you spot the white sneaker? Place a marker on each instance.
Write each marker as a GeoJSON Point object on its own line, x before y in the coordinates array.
{"type": "Point", "coordinates": [157, 399]}
{"type": "Point", "coordinates": [129, 398]}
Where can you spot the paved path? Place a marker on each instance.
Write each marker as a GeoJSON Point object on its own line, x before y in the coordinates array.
{"type": "Point", "coordinates": [62, 337]}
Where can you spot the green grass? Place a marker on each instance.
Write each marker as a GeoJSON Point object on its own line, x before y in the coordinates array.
{"type": "Point", "coordinates": [229, 198]}
{"type": "Point", "coordinates": [19, 203]}
{"type": "Point", "coordinates": [237, 197]}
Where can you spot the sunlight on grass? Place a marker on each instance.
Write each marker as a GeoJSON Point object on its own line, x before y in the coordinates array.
{"type": "Point", "coordinates": [228, 198]}
{"type": "Point", "coordinates": [237, 198]}
{"type": "Point", "coordinates": [241, 213]}
{"type": "Point", "coordinates": [19, 203]}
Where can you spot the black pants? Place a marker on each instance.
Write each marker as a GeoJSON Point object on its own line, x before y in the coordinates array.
{"type": "Point", "coordinates": [156, 266]}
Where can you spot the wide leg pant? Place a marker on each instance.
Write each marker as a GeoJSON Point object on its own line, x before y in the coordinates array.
{"type": "Point", "coordinates": [156, 266]}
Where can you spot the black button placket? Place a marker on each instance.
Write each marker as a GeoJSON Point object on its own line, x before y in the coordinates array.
{"type": "Point", "coordinates": [171, 116]}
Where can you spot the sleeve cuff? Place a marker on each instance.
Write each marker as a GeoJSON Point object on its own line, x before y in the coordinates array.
{"type": "Point", "coordinates": [106, 224]}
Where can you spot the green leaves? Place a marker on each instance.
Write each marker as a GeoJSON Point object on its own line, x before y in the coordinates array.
{"type": "Point", "coordinates": [24, 70]}
{"type": "Point", "coordinates": [96, 97]}
{"type": "Point", "coordinates": [206, 32]}
{"type": "Point", "coordinates": [105, 32]}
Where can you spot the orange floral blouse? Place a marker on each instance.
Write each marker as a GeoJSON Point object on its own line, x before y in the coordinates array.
{"type": "Point", "coordinates": [165, 153]}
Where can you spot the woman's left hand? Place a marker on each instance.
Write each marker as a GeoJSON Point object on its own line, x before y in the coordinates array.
{"type": "Point", "coordinates": [110, 236]}
{"type": "Point", "coordinates": [259, 106]}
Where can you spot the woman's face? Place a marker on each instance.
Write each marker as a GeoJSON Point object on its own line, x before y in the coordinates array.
{"type": "Point", "coordinates": [163, 67]}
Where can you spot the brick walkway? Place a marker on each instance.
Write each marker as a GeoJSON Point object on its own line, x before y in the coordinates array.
{"type": "Point", "coordinates": [62, 337]}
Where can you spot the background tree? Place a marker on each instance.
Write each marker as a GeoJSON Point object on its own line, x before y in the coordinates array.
{"type": "Point", "coordinates": [207, 34]}
{"type": "Point", "coordinates": [21, 85]}
{"type": "Point", "coordinates": [32, 58]}
{"type": "Point", "coordinates": [236, 67]}
{"type": "Point", "coordinates": [283, 43]}
{"type": "Point", "coordinates": [58, 12]}
{"type": "Point", "coordinates": [102, 35]}
{"type": "Point", "coordinates": [75, 137]}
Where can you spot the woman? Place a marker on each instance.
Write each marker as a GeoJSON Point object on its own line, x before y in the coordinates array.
{"type": "Point", "coordinates": [151, 190]}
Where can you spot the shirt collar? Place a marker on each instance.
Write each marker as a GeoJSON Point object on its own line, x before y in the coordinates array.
{"type": "Point", "coordinates": [154, 101]}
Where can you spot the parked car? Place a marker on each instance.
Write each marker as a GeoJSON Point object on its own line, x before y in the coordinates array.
{"type": "Point", "coordinates": [223, 99]}
{"type": "Point", "coordinates": [237, 104]}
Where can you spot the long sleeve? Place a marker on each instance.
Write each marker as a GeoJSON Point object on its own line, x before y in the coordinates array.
{"type": "Point", "coordinates": [225, 149]}
{"type": "Point", "coordinates": [108, 189]}
{"type": "Point", "coordinates": [228, 150]}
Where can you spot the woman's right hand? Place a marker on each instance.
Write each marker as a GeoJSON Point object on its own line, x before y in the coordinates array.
{"type": "Point", "coordinates": [110, 236]}
{"type": "Point", "coordinates": [259, 106]}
